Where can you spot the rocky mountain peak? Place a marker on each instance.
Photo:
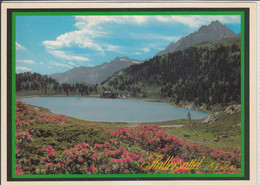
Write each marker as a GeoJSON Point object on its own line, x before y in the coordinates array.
{"type": "Point", "coordinates": [206, 33]}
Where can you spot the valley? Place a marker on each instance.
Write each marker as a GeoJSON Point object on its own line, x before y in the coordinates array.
{"type": "Point", "coordinates": [200, 74]}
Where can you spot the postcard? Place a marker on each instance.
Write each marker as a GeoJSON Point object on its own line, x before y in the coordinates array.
{"type": "Point", "coordinates": [121, 92]}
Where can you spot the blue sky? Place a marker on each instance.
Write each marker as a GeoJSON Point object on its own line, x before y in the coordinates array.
{"type": "Point", "coordinates": [54, 44]}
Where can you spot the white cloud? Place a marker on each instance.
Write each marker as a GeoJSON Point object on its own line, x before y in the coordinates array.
{"type": "Point", "coordinates": [91, 21]}
{"type": "Point", "coordinates": [195, 21]}
{"type": "Point", "coordinates": [81, 39]}
{"type": "Point", "coordinates": [170, 38]}
{"type": "Point", "coordinates": [153, 37]}
{"type": "Point", "coordinates": [61, 65]}
{"type": "Point", "coordinates": [19, 46]}
{"type": "Point", "coordinates": [88, 29]}
{"type": "Point", "coordinates": [142, 51]}
{"type": "Point", "coordinates": [19, 68]}
{"type": "Point", "coordinates": [156, 46]}
{"type": "Point", "coordinates": [163, 18]}
{"type": "Point", "coordinates": [145, 50]}
{"type": "Point", "coordinates": [110, 47]}
{"type": "Point", "coordinates": [91, 27]}
{"type": "Point", "coordinates": [66, 56]}
{"type": "Point", "coordinates": [26, 61]}
{"type": "Point", "coordinates": [70, 63]}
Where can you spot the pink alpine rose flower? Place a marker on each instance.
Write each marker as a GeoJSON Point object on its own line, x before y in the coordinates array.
{"type": "Point", "coordinates": [43, 149]}
{"type": "Point", "coordinates": [18, 134]}
{"type": "Point", "coordinates": [95, 156]}
{"type": "Point", "coordinates": [48, 165]}
{"type": "Point", "coordinates": [91, 169]}
{"type": "Point", "coordinates": [106, 144]}
{"type": "Point", "coordinates": [84, 151]}
{"type": "Point", "coordinates": [52, 153]}
{"type": "Point", "coordinates": [60, 164]}
{"type": "Point", "coordinates": [19, 172]}
{"type": "Point", "coordinates": [80, 159]}
{"type": "Point", "coordinates": [84, 145]}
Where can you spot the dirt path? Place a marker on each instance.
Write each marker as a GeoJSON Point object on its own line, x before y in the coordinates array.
{"type": "Point", "coordinates": [171, 126]}
{"type": "Point", "coordinates": [165, 126]}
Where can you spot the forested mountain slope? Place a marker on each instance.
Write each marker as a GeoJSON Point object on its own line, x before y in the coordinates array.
{"type": "Point", "coordinates": [207, 73]}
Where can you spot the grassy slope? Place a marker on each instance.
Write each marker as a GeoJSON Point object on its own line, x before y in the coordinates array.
{"type": "Point", "coordinates": [203, 133]}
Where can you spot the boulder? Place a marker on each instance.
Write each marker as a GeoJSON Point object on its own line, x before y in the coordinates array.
{"type": "Point", "coordinates": [233, 109]}
{"type": "Point", "coordinates": [210, 119]}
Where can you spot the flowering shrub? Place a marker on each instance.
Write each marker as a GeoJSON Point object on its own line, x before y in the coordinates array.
{"type": "Point", "coordinates": [156, 139]}
{"type": "Point", "coordinates": [85, 159]}
{"type": "Point", "coordinates": [120, 155]}
{"type": "Point", "coordinates": [24, 112]}
{"type": "Point", "coordinates": [232, 155]}
{"type": "Point", "coordinates": [51, 118]}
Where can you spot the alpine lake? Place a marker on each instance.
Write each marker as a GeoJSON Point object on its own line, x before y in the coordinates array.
{"type": "Point", "coordinates": [114, 110]}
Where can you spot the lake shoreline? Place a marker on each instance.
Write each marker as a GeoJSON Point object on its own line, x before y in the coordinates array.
{"type": "Point", "coordinates": [186, 105]}
{"type": "Point", "coordinates": [117, 124]}
{"type": "Point", "coordinates": [132, 110]}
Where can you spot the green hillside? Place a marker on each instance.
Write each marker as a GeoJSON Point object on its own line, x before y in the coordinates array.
{"type": "Point", "coordinates": [204, 74]}
{"type": "Point", "coordinates": [28, 83]}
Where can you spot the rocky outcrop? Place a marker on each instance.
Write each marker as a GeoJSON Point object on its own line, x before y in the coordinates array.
{"type": "Point", "coordinates": [210, 119]}
{"type": "Point", "coordinates": [233, 109]}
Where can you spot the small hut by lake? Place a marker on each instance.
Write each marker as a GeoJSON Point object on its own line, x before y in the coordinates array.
{"type": "Point", "coordinates": [109, 94]}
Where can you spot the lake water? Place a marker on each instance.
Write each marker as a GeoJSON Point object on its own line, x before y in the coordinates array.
{"type": "Point", "coordinates": [114, 110]}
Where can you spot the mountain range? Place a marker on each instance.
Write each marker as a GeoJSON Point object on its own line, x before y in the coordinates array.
{"type": "Point", "coordinates": [94, 75]}
{"type": "Point", "coordinates": [207, 73]}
